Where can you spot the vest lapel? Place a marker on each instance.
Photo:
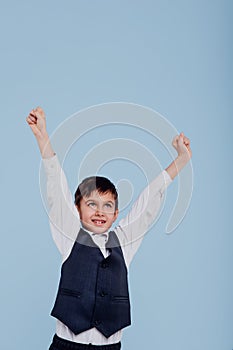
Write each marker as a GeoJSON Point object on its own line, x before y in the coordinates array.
{"type": "Point", "coordinates": [85, 239]}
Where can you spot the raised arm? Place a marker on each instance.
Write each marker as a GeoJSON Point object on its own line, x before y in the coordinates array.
{"type": "Point", "coordinates": [63, 216]}
{"type": "Point", "coordinates": [132, 228]}
{"type": "Point", "coordinates": [182, 145]}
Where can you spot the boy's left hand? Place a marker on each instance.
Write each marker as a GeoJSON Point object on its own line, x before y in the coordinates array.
{"type": "Point", "coordinates": [182, 144]}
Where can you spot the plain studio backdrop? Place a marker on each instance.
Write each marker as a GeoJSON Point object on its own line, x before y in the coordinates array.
{"type": "Point", "coordinates": [171, 56]}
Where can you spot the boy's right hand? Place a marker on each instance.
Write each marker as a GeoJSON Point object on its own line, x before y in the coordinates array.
{"type": "Point", "coordinates": [36, 121]}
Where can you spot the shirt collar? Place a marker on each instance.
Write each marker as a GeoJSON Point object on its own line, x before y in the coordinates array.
{"type": "Point", "coordinates": [104, 234]}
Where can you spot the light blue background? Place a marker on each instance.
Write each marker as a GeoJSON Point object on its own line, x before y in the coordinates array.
{"type": "Point", "coordinates": [172, 56]}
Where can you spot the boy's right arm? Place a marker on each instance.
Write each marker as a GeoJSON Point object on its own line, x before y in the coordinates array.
{"type": "Point", "coordinates": [63, 215]}
{"type": "Point", "coordinates": [36, 121]}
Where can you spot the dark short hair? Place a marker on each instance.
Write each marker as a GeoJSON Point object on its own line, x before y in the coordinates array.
{"type": "Point", "coordinates": [95, 183]}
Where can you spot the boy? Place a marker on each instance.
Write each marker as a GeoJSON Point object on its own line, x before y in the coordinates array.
{"type": "Point", "coordinates": [92, 304]}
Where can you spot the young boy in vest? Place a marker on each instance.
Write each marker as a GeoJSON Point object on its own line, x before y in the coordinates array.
{"type": "Point", "coordinates": [92, 305]}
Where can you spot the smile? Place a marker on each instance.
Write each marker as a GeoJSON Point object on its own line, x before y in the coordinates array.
{"type": "Point", "coordinates": [98, 222]}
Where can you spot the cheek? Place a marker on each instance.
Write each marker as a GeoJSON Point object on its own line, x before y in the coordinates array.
{"type": "Point", "coordinates": [113, 217]}
{"type": "Point", "coordinates": [81, 213]}
{"type": "Point", "coordinates": [85, 214]}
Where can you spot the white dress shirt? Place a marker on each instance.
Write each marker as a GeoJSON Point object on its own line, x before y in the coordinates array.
{"type": "Point", "coordinates": [65, 225]}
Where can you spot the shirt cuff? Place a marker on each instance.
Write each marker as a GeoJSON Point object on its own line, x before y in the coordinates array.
{"type": "Point", "coordinates": [51, 165]}
{"type": "Point", "coordinates": [166, 181]}
{"type": "Point", "coordinates": [167, 177]}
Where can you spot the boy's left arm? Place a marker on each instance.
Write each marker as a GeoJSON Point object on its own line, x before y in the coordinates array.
{"type": "Point", "coordinates": [182, 145]}
{"type": "Point", "coordinates": [132, 228]}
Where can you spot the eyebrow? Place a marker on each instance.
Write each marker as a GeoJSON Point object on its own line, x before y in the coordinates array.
{"type": "Point", "coordinates": [109, 202]}
{"type": "Point", "coordinates": [94, 200]}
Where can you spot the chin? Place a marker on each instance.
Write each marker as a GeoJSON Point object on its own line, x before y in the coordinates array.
{"type": "Point", "coordinates": [100, 229]}
{"type": "Point", "coordinates": [95, 229]}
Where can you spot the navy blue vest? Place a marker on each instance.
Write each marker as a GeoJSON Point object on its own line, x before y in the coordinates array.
{"type": "Point", "coordinates": [93, 291]}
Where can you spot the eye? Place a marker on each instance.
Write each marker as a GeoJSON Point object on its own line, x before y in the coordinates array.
{"type": "Point", "coordinates": [108, 205]}
{"type": "Point", "coordinates": [91, 204]}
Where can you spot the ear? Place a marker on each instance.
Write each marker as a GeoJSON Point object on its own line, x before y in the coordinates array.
{"type": "Point", "coordinates": [116, 214]}
{"type": "Point", "coordinates": [79, 211]}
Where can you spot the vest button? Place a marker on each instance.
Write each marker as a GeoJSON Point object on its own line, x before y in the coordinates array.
{"type": "Point", "coordinates": [96, 322]}
{"type": "Point", "coordinates": [104, 265]}
{"type": "Point", "coordinates": [102, 294]}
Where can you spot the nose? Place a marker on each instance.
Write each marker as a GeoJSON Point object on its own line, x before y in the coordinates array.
{"type": "Point", "coordinates": [98, 212]}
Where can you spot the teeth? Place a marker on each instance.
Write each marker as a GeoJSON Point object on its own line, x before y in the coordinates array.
{"type": "Point", "coordinates": [99, 222]}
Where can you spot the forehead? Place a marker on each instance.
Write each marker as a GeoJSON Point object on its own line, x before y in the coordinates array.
{"type": "Point", "coordinates": [98, 196]}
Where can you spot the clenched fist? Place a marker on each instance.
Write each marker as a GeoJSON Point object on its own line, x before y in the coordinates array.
{"type": "Point", "coordinates": [36, 121]}
{"type": "Point", "coordinates": [182, 145]}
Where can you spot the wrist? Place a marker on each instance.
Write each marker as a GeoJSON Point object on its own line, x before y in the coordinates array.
{"type": "Point", "coordinates": [45, 147]}
{"type": "Point", "coordinates": [182, 159]}
{"type": "Point", "coordinates": [177, 165]}
{"type": "Point", "coordinates": [42, 136]}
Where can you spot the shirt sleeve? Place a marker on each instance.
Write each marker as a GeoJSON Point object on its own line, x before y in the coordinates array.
{"type": "Point", "coordinates": [133, 227]}
{"type": "Point", "coordinates": [63, 215]}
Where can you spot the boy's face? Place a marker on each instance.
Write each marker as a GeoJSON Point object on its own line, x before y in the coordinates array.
{"type": "Point", "coordinates": [97, 212]}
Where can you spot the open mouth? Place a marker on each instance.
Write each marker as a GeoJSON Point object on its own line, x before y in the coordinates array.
{"type": "Point", "coordinates": [99, 222]}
